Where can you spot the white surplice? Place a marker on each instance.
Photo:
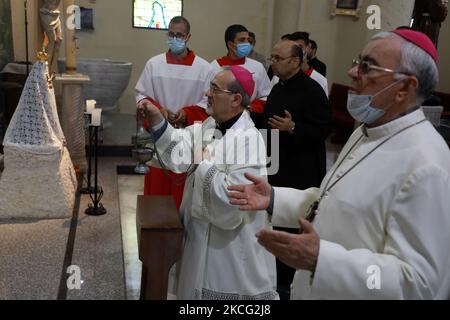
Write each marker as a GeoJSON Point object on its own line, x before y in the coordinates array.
{"type": "Point", "coordinates": [175, 86]}
{"type": "Point", "coordinates": [221, 256]}
{"type": "Point", "coordinates": [389, 214]}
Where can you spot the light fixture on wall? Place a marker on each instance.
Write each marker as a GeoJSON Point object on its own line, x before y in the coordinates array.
{"type": "Point", "coordinates": [346, 8]}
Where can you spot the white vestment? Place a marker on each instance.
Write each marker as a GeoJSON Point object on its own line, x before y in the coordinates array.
{"type": "Point", "coordinates": [384, 227]}
{"type": "Point", "coordinates": [221, 257]}
{"type": "Point", "coordinates": [320, 79]}
{"type": "Point", "coordinates": [175, 86]}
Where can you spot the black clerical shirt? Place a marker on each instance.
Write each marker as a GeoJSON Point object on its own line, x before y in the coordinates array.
{"type": "Point", "coordinates": [302, 154]}
{"type": "Point", "coordinates": [319, 66]}
{"type": "Point", "coordinates": [224, 126]}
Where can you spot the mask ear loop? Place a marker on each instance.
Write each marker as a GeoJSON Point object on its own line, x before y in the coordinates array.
{"type": "Point", "coordinates": [391, 85]}
{"type": "Point", "coordinates": [402, 77]}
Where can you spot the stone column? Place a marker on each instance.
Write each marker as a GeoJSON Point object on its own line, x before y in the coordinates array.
{"type": "Point", "coordinates": [72, 117]}
{"type": "Point", "coordinates": [70, 43]}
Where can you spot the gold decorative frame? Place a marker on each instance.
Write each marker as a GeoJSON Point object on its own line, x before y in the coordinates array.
{"type": "Point", "coordinates": [346, 8]}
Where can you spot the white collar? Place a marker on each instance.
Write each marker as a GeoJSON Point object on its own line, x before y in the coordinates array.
{"type": "Point", "coordinates": [394, 126]}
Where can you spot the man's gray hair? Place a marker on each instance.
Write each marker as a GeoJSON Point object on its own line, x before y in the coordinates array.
{"type": "Point", "coordinates": [235, 87]}
{"type": "Point", "coordinates": [414, 60]}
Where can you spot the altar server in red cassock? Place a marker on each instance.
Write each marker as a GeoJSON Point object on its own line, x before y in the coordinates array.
{"type": "Point", "coordinates": [176, 83]}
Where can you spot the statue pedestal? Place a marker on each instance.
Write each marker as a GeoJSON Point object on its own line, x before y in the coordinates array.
{"type": "Point", "coordinates": [39, 180]}
{"type": "Point", "coordinates": [72, 119]}
{"type": "Point", "coordinates": [37, 186]}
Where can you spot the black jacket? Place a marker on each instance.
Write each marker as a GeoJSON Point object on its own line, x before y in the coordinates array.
{"type": "Point", "coordinates": [319, 66]}
{"type": "Point", "coordinates": [302, 154]}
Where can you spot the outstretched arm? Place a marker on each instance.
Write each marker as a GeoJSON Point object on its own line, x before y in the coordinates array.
{"type": "Point", "coordinates": [285, 205]}
{"type": "Point", "coordinates": [251, 197]}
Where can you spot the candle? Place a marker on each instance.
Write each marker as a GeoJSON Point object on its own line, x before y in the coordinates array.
{"type": "Point", "coordinates": [90, 106]}
{"type": "Point", "coordinates": [96, 117]}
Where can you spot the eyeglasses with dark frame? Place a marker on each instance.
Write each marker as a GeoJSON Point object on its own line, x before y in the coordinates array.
{"type": "Point", "coordinates": [364, 67]}
{"type": "Point", "coordinates": [177, 35]}
{"type": "Point", "coordinates": [215, 89]}
{"type": "Point", "coordinates": [278, 58]}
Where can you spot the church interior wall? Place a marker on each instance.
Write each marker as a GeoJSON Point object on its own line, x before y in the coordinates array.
{"type": "Point", "coordinates": [115, 38]}
{"type": "Point", "coordinates": [444, 57]}
{"type": "Point", "coordinates": [340, 38]}
{"type": "Point", "coordinates": [18, 29]}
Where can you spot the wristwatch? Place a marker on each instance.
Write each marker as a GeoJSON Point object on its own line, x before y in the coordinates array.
{"type": "Point", "coordinates": [291, 131]}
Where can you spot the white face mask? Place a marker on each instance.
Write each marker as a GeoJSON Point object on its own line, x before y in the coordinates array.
{"type": "Point", "coordinates": [176, 46]}
{"type": "Point", "coordinates": [361, 109]}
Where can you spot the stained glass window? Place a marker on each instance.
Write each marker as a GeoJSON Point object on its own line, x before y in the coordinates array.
{"type": "Point", "coordinates": [155, 14]}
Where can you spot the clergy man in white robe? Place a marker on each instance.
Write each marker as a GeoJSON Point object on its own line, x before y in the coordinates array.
{"type": "Point", "coordinates": [222, 259]}
{"type": "Point", "coordinates": [382, 214]}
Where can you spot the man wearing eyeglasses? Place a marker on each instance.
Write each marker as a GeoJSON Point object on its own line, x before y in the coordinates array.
{"type": "Point", "coordinates": [381, 216]}
{"type": "Point", "coordinates": [221, 257]}
{"type": "Point", "coordinates": [299, 108]}
{"type": "Point", "coordinates": [175, 82]}
{"type": "Point", "coordinates": [302, 39]}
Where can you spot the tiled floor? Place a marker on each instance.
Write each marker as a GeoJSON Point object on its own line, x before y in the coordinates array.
{"type": "Point", "coordinates": [118, 132]}
{"type": "Point", "coordinates": [35, 255]}
{"type": "Point", "coordinates": [129, 188]}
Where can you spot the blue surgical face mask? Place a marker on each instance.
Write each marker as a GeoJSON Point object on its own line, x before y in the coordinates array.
{"type": "Point", "coordinates": [176, 45]}
{"type": "Point", "coordinates": [361, 109]}
{"type": "Point", "coordinates": [243, 49]}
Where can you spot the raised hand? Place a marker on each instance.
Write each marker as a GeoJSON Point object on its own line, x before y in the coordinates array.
{"type": "Point", "coordinates": [180, 119]}
{"type": "Point", "coordinates": [252, 197]}
{"type": "Point", "coordinates": [147, 110]}
{"type": "Point", "coordinates": [166, 114]}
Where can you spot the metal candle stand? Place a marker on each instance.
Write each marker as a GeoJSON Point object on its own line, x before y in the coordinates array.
{"type": "Point", "coordinates": [96, 208]}
{"type": "Point", "coordinates": [89, 188]}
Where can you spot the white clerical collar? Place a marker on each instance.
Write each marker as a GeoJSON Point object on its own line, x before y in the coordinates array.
{"type": "Point", "coordinates": [395, 125]}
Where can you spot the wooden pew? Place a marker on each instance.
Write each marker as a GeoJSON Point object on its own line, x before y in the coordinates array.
{"type": "Point", "coordinates": [160, 235]}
